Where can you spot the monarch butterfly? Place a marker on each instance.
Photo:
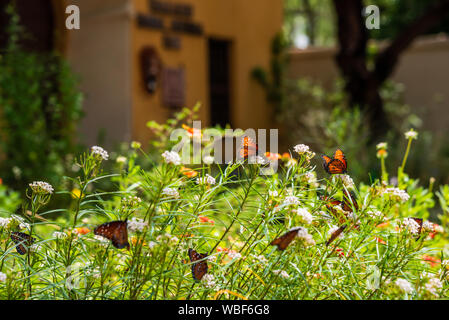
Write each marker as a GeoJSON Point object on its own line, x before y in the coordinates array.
{"type": "Point", "coordinates": [283, 241]}
{"type": "Point", "coordinates": [116, 231]}
{"type": "Point", "coordinates": [337, 164]}
{"type": "Point", "coordinates": [249, 148]}
{"type": "Point", "coordinates": [22, 240]}
{"type": "Point", "coordinates": [199, 269]}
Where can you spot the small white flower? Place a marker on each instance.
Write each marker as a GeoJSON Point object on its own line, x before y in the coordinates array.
{"type": "Point", "coordinates": [261, 259]}
{"type": "Point", "coordinates": [273, 193]}
{"type": "Point", "coordinates": [172, 157]}
{"type": "Point", "coordinates": [310, 177]}
{"type": "Point", "coordinates": [171, 192]}
{"type": "Point", "coordinates": [428, 226]}
{"type": "Point", "coordinates": [282, 273]}
{"type": "Point", "coordinates": [304, 215]}
{"type": "Point", "coordinates": [121, 159]}
{"type": "Point", "coordinates": [257, 160]}
{"type": "Point", "coordinates": [209, 281]}
{"type": "Point", "coordinates": [433, 285]}
{"type": "Point", "coordinates": [136, 225]}
{"type": "Point", "coordinates": [2, 277]}
{"type": "Point", "coordinates": [234, 254]}
{"type": "Point", "coordinates": [301, 148]}
{"type": "Point", "coordinates": [207, 179]}
{"type": "Point", "coordinates": [347, 181]}
{"type": "Point", "coordinates": [382, 145]}
{"type": "Point", "coordinates": [41, 187]}
{"type": "Point", "coordinates": [411, 225]}
{"type": "Point", "coordinates": [99, 153]}
{"type": "Point", "coordinates": [375, 214]}
{"type": "Point", "coordinates": [411, 134]}
{"type": "Point", "coordinates": [404, 285]}
{"type": "Point", "coordinates": [291, 200]}
{"type": "Point", "coordinates": [59, 235]}
{"type": "Point", "coordinates": [4, 222]}
{"type": "Point", "coordinates": [303, 235]}
{"type": "Point", "coordinates": [208, 160]}
{"type": "Point", "coordinates": [101, 240]}
{"type": "Point", "coordinates": [397, 194]}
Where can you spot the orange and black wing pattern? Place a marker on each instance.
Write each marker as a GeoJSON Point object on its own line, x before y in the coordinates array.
{"type": "Point", "coordinates": [249, 148]}
{"type": "Point", "coordinates": [283, 241]}
{"type": "Point", "coordinates": [23, 241]}
{"type": "Point", "coordinates": [199, 268]}
{"type": "Point", "coordinates": [116, 231]}
{"type": "Point", "coordinates": [350, 201]}
{"type": "Point", "coordinates": [337, 164]}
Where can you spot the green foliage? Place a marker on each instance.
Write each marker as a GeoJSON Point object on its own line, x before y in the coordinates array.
{"type": "Point", "coordinates": [233, 217]}
{"type": "Point", "coordinates": [40, 108]}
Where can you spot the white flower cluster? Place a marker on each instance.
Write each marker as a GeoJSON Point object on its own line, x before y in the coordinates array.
{"type": "Point", "coordinates": [304, 215]}
{"type": "Point", "coordinates": [101, 240]}
{"type": "Point", "coordinates": [304, 236]}
{"type": "Point", "coordinates": [382, 145]}
{"type": "Point", "coordinates": [172, 157]}
{"type": "Point", "coordinates": [273, 193]}
{"type": "Point", "coordinates": [207, 179]}
{"type": "Point", "coordinates": [397, 194]}
{"type": "Point", "coordinates": [301, 148]}
{"type": "Point", "coordinates": [257, 160]}
{"type": "Point", "coordinates": [234, 254]}
{"type": "Point", "coordinates": [375, 214]}
{"type": "Point", "coordinates": [14, 221]}
{"type": "Point", "coordinates": [2, 277]}
{"type": "Point", "coordinates": [428, 226]}
{"type": "Point", "coordinates": [99, 153]}
{"type": "Point", "coordinates": [404, 285]}
{"type": "Point", "coordinates": [347, 181]}
{"type": "Point", "coordinates": [282, 273]}
{"type": "Point", "coordinates": [136, 225]}
{"type": "Point", "coordinates": [171, 193]}
{"type": "Point", "coordinates": [59, 235]}
{"type": "Point", "coordinates": [131, 202]}
{"type": "Point", "coordinates": [291, 200]}
{"type": "Point", "coordinates": [433, 285]}
{"type": "Point", "coordinates": [261, 259]}
{"type": "Point", "coordinates": [121, 159]}
{"type": "Point", "coordinates": [167, 238]}
{"type": "Point", "coordinates": [411, 225]}
{"type": "Point", "coordinates": [310, 177]}
{"type": "Point", "coordinates": [209, 281]}
{"type": "Point", "coordinates": [41, 187]}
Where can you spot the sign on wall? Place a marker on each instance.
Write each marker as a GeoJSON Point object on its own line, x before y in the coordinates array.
{"type": "Point", "coordinates": [173, 87]}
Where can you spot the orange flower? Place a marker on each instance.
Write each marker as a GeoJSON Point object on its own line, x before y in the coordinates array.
{"type": "Point", "coordinates": [82, 230]}
{"type": "Point", "coordinates": [285, 156]}
{"type": "Point", "coordinates": [186, 235]}
{"type": "Point", "coordinates": [1, 181]}
{"type": "Point", "coordinates": [432, 260]}
{"type": "Point", "coordinates": [189, 173]}
{"type": "Point", "coordinates": [206, 220]}
{"type": "Point", "coordinates": [273, 156]}
{"type": "Point", "coordinates": [192, 131]}
{"type": "Point", "coordinates": [380, 240]}
{"type": "Point", "coordinates": [383, 225]}
{"type": "Point", "coordinates": [134, 241]}
{"type": "Point", "coordinates": [220, 249]}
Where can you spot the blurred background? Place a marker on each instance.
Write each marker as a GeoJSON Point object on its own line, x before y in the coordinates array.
{"type": "Point", "coordinates": [314, 69]}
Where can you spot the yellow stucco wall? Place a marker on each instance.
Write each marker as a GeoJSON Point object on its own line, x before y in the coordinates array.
{"type": "Point", "coordinates": [250, 25]}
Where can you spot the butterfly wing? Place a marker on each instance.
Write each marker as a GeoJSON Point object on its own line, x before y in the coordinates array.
{"type": "Point", "coordinates": [249, 148]}
{"type": "Point", "coordinates": [199, 269]}
{"type": "Point", "coordinates": [335, 165]}
{"type": "Point", "coordinates": [350, 201]}
{"type": "Point", "coordinates": [420, 222]}
{"type": "Point", "coordinates": [335, 234]}
{"type": "Point", "coordinates": [116, 231]}
{"type": "Point", "coordinates": [283, 241]}
{"type": "Point", "coordinates": [22, 241]}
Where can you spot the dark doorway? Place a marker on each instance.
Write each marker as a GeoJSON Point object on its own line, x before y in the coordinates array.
{"type": "Point", "coordinates": [36, 16]}
{"type": "Point", "coordinates": [219, 86]}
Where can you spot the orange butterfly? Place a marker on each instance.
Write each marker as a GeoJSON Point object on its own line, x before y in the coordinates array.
{"type": "Point", "coordinates": [199, 269]}
{"type": "Point", "coordinates": [283, 241]}
{"type": "Point", "coordinates": [116, 231]}
{"type": "Point", "coordinates": [23, 241]}
{"type": "Point", "coordinates": [249, 148]}
{"type": "Point", "coordinates": [337, 164]}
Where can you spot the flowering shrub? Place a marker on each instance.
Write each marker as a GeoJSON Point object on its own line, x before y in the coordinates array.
{"type": "Point", "coordinates": [297, 234]}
